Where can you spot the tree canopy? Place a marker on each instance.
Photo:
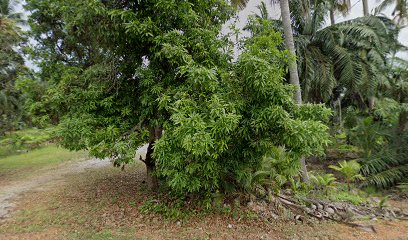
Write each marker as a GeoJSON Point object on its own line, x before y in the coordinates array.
{"type": "Point", "coordinates": [125, 73]}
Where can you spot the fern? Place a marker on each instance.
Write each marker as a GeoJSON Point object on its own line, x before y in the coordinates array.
{"type": "Point", "coordinates": [403, 187]}
{"type": "Point", "coordinates": [276, 170]}
{"type": "Point", "coordinates": [324, 182]}
{"type": "Point", "coordinates": [350, 170]}
{"type": "Point", "coordinates": [389, 177]}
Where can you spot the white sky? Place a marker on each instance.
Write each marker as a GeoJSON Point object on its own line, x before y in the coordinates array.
{"type": "Point", "coordinates": [356, 11]}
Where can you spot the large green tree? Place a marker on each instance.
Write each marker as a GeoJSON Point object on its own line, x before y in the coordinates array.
{"type": "Point", "coordinates": [159, 71]}
{"type": "Point", "coordinates": [217, 140]}
{"type": "Point", "coordinates": [116, 59]}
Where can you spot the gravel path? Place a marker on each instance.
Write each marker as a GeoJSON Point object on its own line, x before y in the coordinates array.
{"type": "Point", "coordinates": [10, 193]}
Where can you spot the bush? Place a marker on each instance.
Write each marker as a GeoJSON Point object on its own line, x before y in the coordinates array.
{"type": "Point", "coordinates": [215, 139]}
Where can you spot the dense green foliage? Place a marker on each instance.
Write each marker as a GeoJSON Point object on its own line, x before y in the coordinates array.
{"type": "Point", "coordinates": [385, 163]}
{"type": "Point", "coordinates": [121, 66]}
{"type": "Point", "coordinates": [115, 75]}
{"type": "Point", "coordinates": [350, 170]}
{"type": "Point", "coordinates": [223, 135]}
{"type": "Point", "coordinates": [135, 76]}
{"type": "Point", "coordinates": [347, 65]}
{"type": "Point", "coordinates": [11, 63]}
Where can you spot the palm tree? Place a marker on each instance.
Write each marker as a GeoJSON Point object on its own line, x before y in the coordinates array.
{"type": "Point", "coordinates": [400, 11]}
{"type": "Point", "coordinates": [330, 59]}
{"type": "Point", "coordinates": [293, 69]}
{"type": "Point", "coordinates": [365, 7]}
{"type": "Point", "coordinates": [241, 4]}
{"type": "Point", "coordinates": [7, 15]}
{"type": "Point", "coordinates": [371, 99]}
{"type": "Point", "coordinates": [397, 89]}
{"type": "Point", "coordinates": [10, 63]}
{"type": "Point", "coordinates": [342, 6]}
{"type": "Point", "coordinates": [290, 45]}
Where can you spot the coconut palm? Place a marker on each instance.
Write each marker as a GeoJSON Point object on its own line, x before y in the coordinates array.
{"type": "Point", "coordinates": [387, 167]}
{"type": "Point", "coordinates": [342, 6]}
{"type": "Point", "coordinates": [331, 59]}
{"type": "Point", "coordinates": [365, 7]}
{"type": "Point", "coordinates": [241, 4]}
{"type": "Point", "coordinates": [400, 11]}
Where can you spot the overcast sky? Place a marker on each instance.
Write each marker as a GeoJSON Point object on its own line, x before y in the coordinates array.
{"type": "Point", "coordinates": [356, 11]}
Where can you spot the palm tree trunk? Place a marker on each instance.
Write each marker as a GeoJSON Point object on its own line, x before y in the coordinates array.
{"type": "Point", "coordinates": [402, 122]}
{"type": "Point", "coordinates": [371, 103]}
{"type": "Point", "coordinates": [371, 99]}
{"type": "Point", "coordinates": [365, 7]}
{"type": "Point", "coordinates": [293, 71]}
{"type": "Point", "coordinates": [290, 45]}
{"type": "Point", "coordinates": [332, 19]}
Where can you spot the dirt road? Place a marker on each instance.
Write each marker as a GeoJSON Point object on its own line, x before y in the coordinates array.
{"type": "Point", "coordinates": [10, 193]}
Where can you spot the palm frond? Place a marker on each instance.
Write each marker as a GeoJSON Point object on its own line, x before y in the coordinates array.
{"type": "Point", "coordinates": [388, 177]}
{"type": "Point", "coordinates": [241, 4]}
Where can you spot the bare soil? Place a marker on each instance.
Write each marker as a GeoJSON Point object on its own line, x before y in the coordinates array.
{"type": "Point", "coordinates": [91, 200]}
{"type": "Point", "coordinates": [11, 191]}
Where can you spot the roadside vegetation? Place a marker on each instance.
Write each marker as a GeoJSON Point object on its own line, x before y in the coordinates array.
{"type": "Point", "coordinates": [24, 153]}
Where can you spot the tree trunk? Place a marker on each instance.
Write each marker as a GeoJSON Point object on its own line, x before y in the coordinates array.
{"type": "Point", "coordinates": [290, 45]}
{"type": "Point", "coordinates": [371, 103]}
{"type": "Point", "coordinates": [332, 19]}
{"type": "Point", "coordinates": [152, 182]}
{"type": "Point", "coordinates": [305, 174]}
{"type": "Point", "coordinates": [371, 99]}
{"type": "Point", "coordinates": [293, 71]}
{"type": "Point", "coordinates": [402, 122]}
{"type": "Point", "coordinates": [365, 8]}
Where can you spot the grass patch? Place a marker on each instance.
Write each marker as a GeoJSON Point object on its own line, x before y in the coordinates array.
{"type": "Point", "coordinates": [344, 196]}
{"type": "Point", "coordinates": [24, 140]}
{"type": "Point", "coordinates": [25, 163]}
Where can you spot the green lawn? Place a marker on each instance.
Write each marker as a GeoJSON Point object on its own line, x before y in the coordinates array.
{"type": "Point", "coordinates": [24, 163]}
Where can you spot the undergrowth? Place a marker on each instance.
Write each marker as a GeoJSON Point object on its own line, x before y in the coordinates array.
{"type": "Point", "coordinates": [24, 140]}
